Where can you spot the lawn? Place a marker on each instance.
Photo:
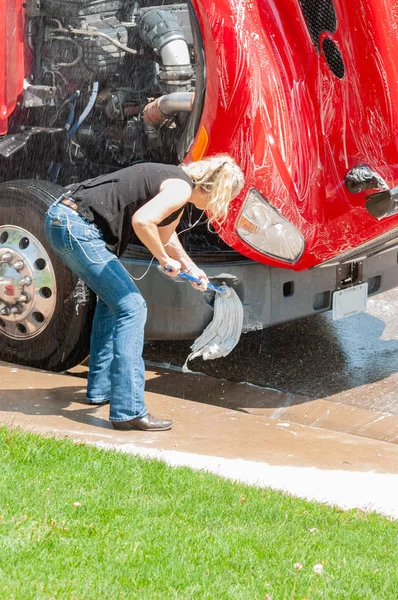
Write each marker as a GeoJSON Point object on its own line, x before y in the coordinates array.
{"type": "Point", "coordinates": [78, 523]}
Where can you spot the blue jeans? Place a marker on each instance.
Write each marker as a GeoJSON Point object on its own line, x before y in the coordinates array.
{"type": "Point", "coordinates": [116, 366]}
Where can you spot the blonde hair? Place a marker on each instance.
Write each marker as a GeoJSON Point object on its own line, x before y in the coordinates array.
{"type": "Point", "coordinates": [221, 178]}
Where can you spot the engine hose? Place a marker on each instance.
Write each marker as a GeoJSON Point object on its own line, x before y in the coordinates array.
{"type": "Point", "coordinates": [70, 117]}
{"type": "Point", "coordinates": [153, 114]}
{"type": "Point", "coordinates": [157, 112]}
{"type": "Point", "coordinates": [79, 52]}
{"type": "Point", "coordinates": [88, 33]}
{"type": "Point", "coordinates": [161, 31]}
{"type": "Point", "coordinates": [86, 111]}
{"type": "Point", "coordinates": [71, 113]}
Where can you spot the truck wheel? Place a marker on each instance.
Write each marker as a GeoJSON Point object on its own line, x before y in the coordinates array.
{"type": "Point", "coordinates": [45, 311]}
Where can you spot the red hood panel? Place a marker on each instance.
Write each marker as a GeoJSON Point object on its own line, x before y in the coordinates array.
{"type": "Point", "coordinates": [11, 58]}
{"type": "Point", "coordinates": [297, 116]}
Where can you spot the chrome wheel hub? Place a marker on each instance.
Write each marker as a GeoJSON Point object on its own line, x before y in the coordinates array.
{"type": "Point", "coordinates": [28, 289]}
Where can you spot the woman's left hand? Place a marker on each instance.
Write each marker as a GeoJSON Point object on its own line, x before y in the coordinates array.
{"type": "Point", "coordinates": [199, 274]}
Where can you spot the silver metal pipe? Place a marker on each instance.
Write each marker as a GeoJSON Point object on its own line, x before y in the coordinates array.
{"type": "Point", "coordinates": [176, 54]}
{"type": "Point", "coordinates": [160, 110]}
{"type": "Point", "coordinates": [176, 102]}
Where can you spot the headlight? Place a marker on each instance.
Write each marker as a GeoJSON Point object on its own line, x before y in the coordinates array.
{"type": "Point", "coordinates": [262, 227]}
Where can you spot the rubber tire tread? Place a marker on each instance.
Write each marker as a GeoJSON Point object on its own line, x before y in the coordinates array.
{"type": "Point", "coordinates": [65, 342]}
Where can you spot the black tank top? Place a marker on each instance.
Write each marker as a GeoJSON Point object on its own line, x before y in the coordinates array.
{"type": "Point", "coordinates": [110, 200]}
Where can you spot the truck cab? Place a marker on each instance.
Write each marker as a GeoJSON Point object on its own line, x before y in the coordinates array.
{"type": "Point", "coordinates": [303, 95]}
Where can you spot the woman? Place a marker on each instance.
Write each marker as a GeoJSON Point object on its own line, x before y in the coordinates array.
{"type": "Point", "coordinates": [90, 227]}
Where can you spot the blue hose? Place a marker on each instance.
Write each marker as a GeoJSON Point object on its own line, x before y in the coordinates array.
{"type": "Point", "coordinates": [71, 113]}
{"type": "Point", "coordinates": [86, 111]}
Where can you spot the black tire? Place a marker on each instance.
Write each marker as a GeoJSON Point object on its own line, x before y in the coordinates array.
{"type": "Point", "coordinates": [64, 342]}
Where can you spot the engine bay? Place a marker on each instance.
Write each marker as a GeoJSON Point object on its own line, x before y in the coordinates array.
{"type": "Point", "coordinates": [118, 79]}
{"type": "Point", "coordinates": [107, 85]}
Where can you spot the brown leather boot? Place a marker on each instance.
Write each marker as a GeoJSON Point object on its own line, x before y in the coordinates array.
{"type": "Point", "coordinates": [146, 423]}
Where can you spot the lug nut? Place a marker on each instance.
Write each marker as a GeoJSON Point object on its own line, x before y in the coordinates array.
{"type": "Point", "coordinates": [25, 280]}
{"type": "Point", "coordinates": [23, 298]}
{"type": "Point", "coordinates": [18, 265]}
{"type": "Point", "coordinates": [6, 257]}
{"type": "Point", "coordinates": [16, 310]}
{"type": "Point", "coordinates": [4, 312]}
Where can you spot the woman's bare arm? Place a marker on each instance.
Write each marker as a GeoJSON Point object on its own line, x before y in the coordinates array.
{"type": "Point", "coordinates": [175, 249]}
{"type": "Point", "coordinates": [173, 195]}
{"type": "Point", "coordinates": [173, 245]}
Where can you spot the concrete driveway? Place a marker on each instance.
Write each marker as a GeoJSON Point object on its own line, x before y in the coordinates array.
{"type": "Point", "coordinates": [321, 448]}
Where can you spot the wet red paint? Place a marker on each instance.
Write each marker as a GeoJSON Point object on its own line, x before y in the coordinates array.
{"type": "Point", "coordinates": [295, 127]}
{"type": "Point", "coordinates": [272, 102]}
{"type": "Point", "coordinates": [11, 58]}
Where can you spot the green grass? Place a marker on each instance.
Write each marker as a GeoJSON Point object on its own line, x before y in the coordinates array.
{"type": "Point", "coordinates": [144, 530]}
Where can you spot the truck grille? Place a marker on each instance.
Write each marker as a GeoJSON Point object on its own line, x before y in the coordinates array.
{"type": "Point", "coordinates": [135, 252]}
{"type": "Point", "coordinates": [333, 57]}
{"type": "Point", "coordinates": [320, 16]}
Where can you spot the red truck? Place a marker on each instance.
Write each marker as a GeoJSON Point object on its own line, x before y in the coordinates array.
{"type": "Point", "coordinates": [302, 93]}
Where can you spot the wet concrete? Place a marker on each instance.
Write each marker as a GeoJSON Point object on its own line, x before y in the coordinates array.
{"type": "Point", "coordinates": [354, 361]}
{"type": "Point", "coordinates": [324, 426]}
{"type": "Point", "coordinates": [313, 448]}
{"type": "Point", "coordinates": [242, 421]}
{"type": "Point", "coordinates": [247, 399]}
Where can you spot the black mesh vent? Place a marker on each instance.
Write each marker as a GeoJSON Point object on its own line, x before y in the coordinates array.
{"type": "Point", "coordinates": [320, 16]}
{"type": "Point", "coordinates": [333, 57]}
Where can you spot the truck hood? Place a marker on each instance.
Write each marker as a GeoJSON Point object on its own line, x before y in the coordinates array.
{"type": "Point", "coordinates": [303, 93]}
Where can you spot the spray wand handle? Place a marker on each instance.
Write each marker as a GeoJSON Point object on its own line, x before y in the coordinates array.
{"type": "Point", "coordinates": [210, 286]}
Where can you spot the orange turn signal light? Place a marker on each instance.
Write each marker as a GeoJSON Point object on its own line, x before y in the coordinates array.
{"type": "Point", "coordinates": [200, 144]}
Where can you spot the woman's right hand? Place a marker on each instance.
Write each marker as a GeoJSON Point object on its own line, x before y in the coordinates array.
{"type": "Point", "coordinates": [171, 267]}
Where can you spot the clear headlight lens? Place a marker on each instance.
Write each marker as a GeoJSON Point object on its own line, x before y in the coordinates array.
{"type": "Point", "coordinates": [262, 227]}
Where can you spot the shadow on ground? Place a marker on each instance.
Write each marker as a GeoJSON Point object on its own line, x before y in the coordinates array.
{"type": "Point", "coordinates": [303, 360]}
{"type": "Point", "coordinates": [300, 361]}
{"type": "Point", "coordinates": [313, 357]}
{"type": "Point", "coordinates": [53, 401]}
